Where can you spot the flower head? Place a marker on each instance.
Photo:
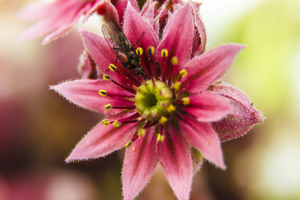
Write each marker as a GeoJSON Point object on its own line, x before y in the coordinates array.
{"type": "Point", "coordinates": [160, 108]}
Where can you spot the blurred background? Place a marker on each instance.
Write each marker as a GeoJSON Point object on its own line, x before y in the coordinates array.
{"type": "Point", "coordinates": [38, 128]}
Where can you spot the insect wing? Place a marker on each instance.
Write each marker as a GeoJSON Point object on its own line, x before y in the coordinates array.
{"type": "Point", "coordinates": [110, 39]}
{"type": "Point", "coordinates": [120, 39]}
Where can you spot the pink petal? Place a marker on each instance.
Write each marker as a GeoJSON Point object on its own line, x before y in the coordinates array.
{"type": "Point", "coordinates": [244, 117]}
{"type": "Point", "coordinates": [103, 140]}
{"type": "Point", "coordinates": [34, 11]}
{"type": "Point", "coordinates": [208, 107]}
{"type": "Point", "coordinates": [177, 39]}
{"type": "Point", "coordinates": [139, 164]}
{"type": "Point", "coordinates": [135, 26]}
{"type": "Point", "coordinates": [200, 33]}
{"type": "Point", "coordinates": [86, 67]}
{"type": "Point", "coordinates": [203, 137]}
{"type": "Point", "coordinates": [121, 7]}
{"type": "Point", "coordinates": [85, 93]}
{"type": "Point", "coordinates": [103, 57]}
{"type": "Point", "coordinates": [175, 156]}
{"type": "Point", "coordinates": [107, 9]}
{"type": "Point", "coordinates": [208, 67]}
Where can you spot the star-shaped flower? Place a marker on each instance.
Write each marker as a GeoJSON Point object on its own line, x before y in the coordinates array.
{"type": "Point", "coordinates": [160, 108]}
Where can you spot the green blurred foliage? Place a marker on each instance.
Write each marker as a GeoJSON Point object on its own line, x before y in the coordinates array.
{"type": "Point", "coordinates": [272, 33]}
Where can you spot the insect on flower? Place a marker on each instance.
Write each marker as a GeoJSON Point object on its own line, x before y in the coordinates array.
{"type": "Point", "coordinates": [123, 50]}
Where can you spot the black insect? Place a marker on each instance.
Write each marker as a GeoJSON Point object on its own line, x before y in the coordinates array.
{"type": "Point", "coordinates": [122, 49]}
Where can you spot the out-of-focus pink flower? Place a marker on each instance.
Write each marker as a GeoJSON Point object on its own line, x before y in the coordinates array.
{"type": "Point", "coordinates": [160, 108]}
{"type": "Point", "coordinates": [57, 17]}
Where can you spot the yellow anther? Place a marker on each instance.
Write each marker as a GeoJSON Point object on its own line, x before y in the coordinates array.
{"type": "Point", "coordinates": [186, 101]}
{"type": "Point", "coordinates": [183, 73]}
{"type": "Point", "coordinates": [150, 51]}
{"type": "Point", "coordinates": [112, 67]}
{"type": "Point", "coordinates": [164, 53]}
{"type": "Point", "coordinates": [171, 108]}
{"type": "Point", "coordinates": [106, 77]}
{"type": "Point", "coordinates": [107, 107]}
{"type": "Point", "coordinates": [163, 120]}
{"type": "Point", "coordinates": [139, 51]}
{"type": "Point", "coordinates": [127, 144]}
{"type": "Point", "coordinates": [102, 93]}
{"type": "Point", "coordinates": [139, 119]}
{"type": "Point", "coordinates": [116, 123]}
{"type": "Point", "coordinates": [105, 122]}
{"type": "Point", "coordinates": [177, 85]}
{"type": "Point", "coordinates": [141, 132]}
{"type": "Point", "coordinates": [174, 60]}
{"type": "Point", "coordinates": [160, 137]}
{"type": "Point", "coordinates": [133, 148]}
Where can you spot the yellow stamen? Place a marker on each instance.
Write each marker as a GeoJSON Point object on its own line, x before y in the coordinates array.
{"type": "Point", "coordinates": [163, 120]}
{"type": "Point", "coordinates": [127, 144]}
{"type": "Point", "coordinates": [106, 77]}
{"type": "Point", "coordinates": [133, 148]}
{"type": "Point", "coordinates": [116, 124]}
{"type": "Point", "coordinates": [176, 86]}
{"type": "Point", "coordinates": [150, 50]}
{"type": "Point", "coordinates": [164, 53]}
{"type": "Point", "coordinates": [160, 137]}
{"type": "Point", "coordinates": [139, 51]}
{"type": "Point", "coordinates": [140, 118]}
{"type": "Point", "coordinates": [186, 101]}
{"type": "Point", "coordinates": [141, 132]}
{"type": "Point", "coordinates": [107, 107]}
{"type": "Point", "coordinates": [174, 60]}
{"type": "Point", "coordinates": [183, 73]}
{"type": "Point", "coordinates": [105, 122]}
{"type": "Point", "coordinates": [102, 93]}
{"type": "Point", "coordinates": [171, 108]}
{"type": "Point", "coordinates": [112, 67]}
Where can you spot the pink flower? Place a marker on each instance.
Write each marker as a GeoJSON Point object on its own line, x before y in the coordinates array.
{"type": "Point", "coordinates": [162, 109]}
{"type": "Point", "coordinates": [59, 16]}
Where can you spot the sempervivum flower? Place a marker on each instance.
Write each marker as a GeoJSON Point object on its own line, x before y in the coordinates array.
{"type": "Point", "coordinates": [161, 109]}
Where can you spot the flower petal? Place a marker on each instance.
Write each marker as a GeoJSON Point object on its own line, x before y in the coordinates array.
{"type": "Point", "coordinates": [244, 117]}
{"type": "Point", "coordinates": [139, 164]}
{"type": "Point", "coordinates": [103, 140]}
{"type": "Point", "coordinates": [86, 67]}
{"type": "Point", "coordinates": [200, 33]}
{"type": "Point", "coordinates": [103, 57]}
{"type": "Point", "coordinates": [177, 39]}
{"type": "Point", "coordinates": [208, 107]}
{"type": "Point", "coordinates": [208, 67]}
{"type": "Point", "coordinates": [121, 7]}
{"type": "Point", "coordinates": [203, 137]}
{"type": "Point", "coordinates": [85, 93]}
{"type": "Point", "coordinates": [175, 156]}
{"type": "Point", "coordinates": [135, 28]}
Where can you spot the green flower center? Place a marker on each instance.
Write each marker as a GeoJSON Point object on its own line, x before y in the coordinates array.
{"type": "Point", "coordinates": [153, 100]}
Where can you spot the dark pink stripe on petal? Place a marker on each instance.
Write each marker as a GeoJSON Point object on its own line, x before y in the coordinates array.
{"type": "Point", "coordinates": [175, 156]}
{"type": "Point", "coordinates": [103, 140]}
{"type": "Point", "coordinates": [139, 164]}
{"type": "Point", "coordinates": [208, 107]}
{"type": "Point", "coordinates": [203, 137]}
{"type": "Point", "coordinates": [84, 93]}
{"type": "Point", "coordinates": [208, 67]}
